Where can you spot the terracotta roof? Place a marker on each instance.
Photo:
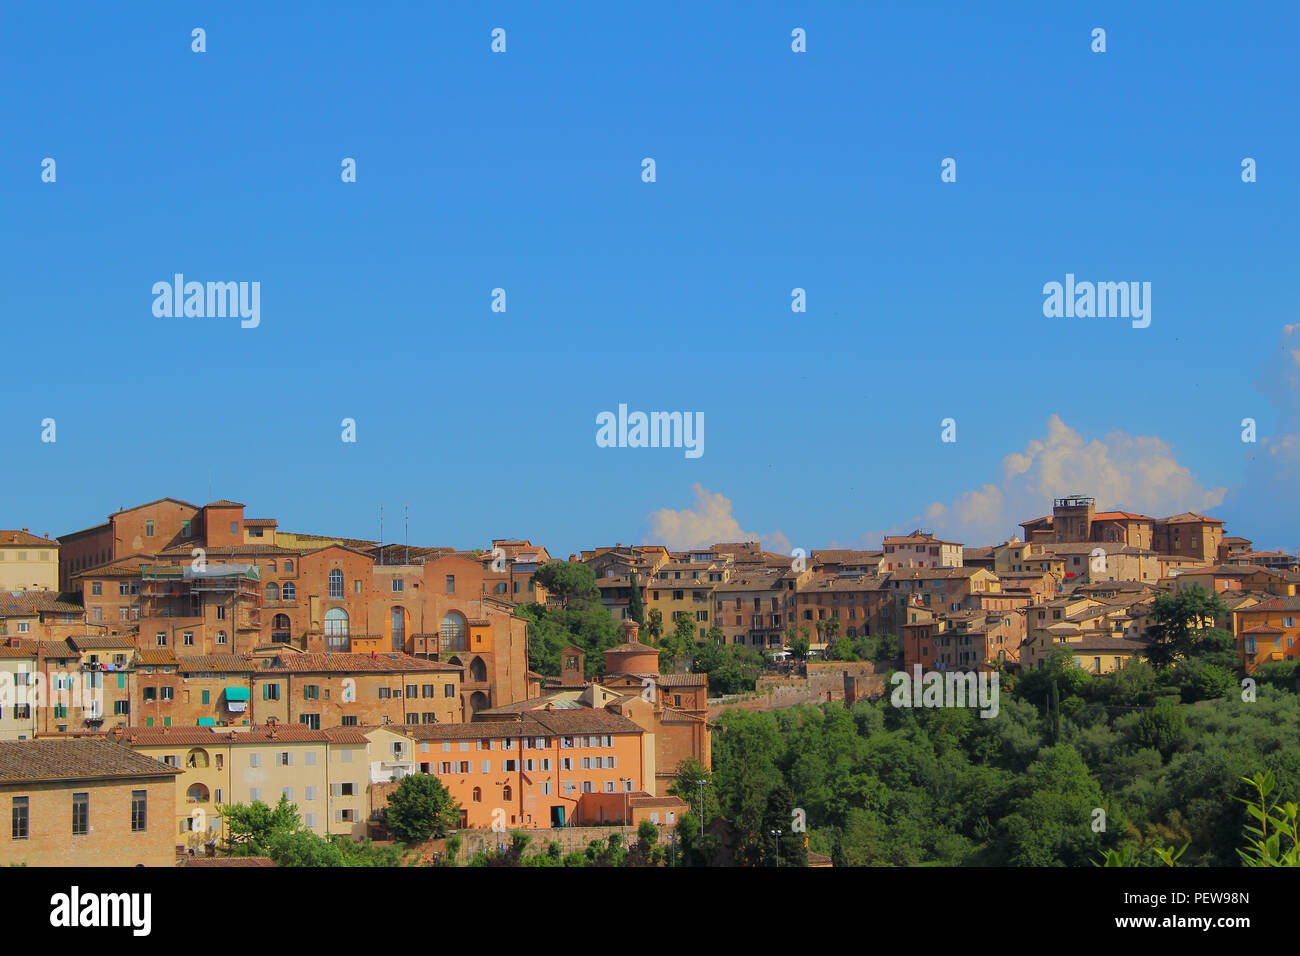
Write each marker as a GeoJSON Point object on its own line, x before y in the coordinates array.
{"type": "Point", "coordinates": [224, 503]}
{"type": "Point", "coordinates": [630, 647]}
{"type": "Point", "coordinates": [683, 680]}
{"type": "Point", "coordinates": [1277, 604]}
{"type": "Point", "coordinates": [155, 657]}
{"type": "Point", "coordinates": [533, 723]}
{"type": "Point", "coordinates": [261, 734]}
{"type": "Point", "coordinates": [386, 662]}
{"type": "Point", "coordinates": [215, 664]}
{"type": "Point", "coordinates": [185, 549]}
{"type": "Point", "coordinates": [1189, 517]}
{"type": "Point", "coordinates": [259, 522]}
{"type": "Point", "coordinates": [74, 758]}
{"type": "Point", "coordinates": [25, 539]}
{"type": "Point", "coordinates": [95, 642]}
{"type": "Point", "coordinates": [1117, 515]}
{"type": "Point", "coordinates": [13, 603]}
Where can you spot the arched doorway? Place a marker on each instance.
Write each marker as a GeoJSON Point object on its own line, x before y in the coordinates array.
{"type": "Point", "coordinates": [477, 701]}
{"type": "Point", "coordinates": [477, 671]}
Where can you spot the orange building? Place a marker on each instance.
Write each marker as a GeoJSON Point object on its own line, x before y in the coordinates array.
{"type": "Point", "coordinates": [1267, 632]}
{"type": "Point", "coordinates": [546, 768]}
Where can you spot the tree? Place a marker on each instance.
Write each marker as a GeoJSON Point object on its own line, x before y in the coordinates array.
{"type": "Point", "coordinates": [420, 808]}
{"type": "Point", "coordinates": [635, 607]}
{"type": "Point", "coordinates": [778, 823]}
{"type": "Point", "coordinates": [679, 644]}
{"type": "Point", "coordinates": [251, 827]}
{"type": "Point", "coordinates": [797, 642]}
{"type": "Point", "coordinates": [570, 581]}
{"type": "Point", "coordinates": [656, 625]}
{"type": "Point", "coordinates": [1177, 620]}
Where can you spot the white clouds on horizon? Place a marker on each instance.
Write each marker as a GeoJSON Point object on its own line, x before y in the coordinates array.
{"type": "Point", "coordinates": [1122, 471]}
{"type": "Point", "coordinates": [710, 521]}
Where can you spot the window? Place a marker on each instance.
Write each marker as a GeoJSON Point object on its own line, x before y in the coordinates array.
{"type": "Point", "coordinates": [336, 622]}
{"type": "Point", "coordinates": [451, 584]}
{"type": "Point", "coordinates": [477, 795]}
{"type": "Point", "coordinates": [97, 587]}
{"type": "Point", "coordinates": [270, 692]}
{"type": "Point", "coordinates": [148, 529]}
{"type": "Point", "coordinates": [506, 792]}
{"type": "Point", "coordinates": [288, 566]}
{"type": "Point", "coordinates": [166, 693]}
{"type": "Point", "coordinates": [336, 583]}
{"type": "Point", "coordinates": [234, 527]}
{"type": "Point", "coordinates": [288, 591]}
{"type": "Point", "coordinates": [185, 529]}
{"type": "Point", "coordinates": [284, 759]}
{"type": "Point", "coordinates": [272, 592]}
{"type": "Point", "coordinates": [20, 819]}
{"type": "Point", "coordinates": [221, 637]}
{"type": "Point", "coordinates": [398, 585]}
{"type": "Point", "coordinates": [187, 638]}
{"type": "Point", "coordinates": [139, 811]}
{"type": "Point", "coordinates": [80, 814]}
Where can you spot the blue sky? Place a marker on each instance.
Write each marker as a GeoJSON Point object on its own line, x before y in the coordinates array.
{"type": "Point", "coordinates": [775, 170]}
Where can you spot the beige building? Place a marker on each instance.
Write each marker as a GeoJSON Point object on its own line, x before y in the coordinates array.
{"type": "Point", "coordinates": [322, 772]}
{"type": "Point", "coordinates": [920, 549]}
{"type": "Point", "coordinates": [28, 562]}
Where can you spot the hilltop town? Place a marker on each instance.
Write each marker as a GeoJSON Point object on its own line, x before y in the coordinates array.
{"type": "Point", "coordinates": [180, 658]}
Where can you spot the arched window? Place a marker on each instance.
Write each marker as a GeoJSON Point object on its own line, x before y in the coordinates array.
{"type": "Point", "coordinates": [221, 637]}
{"type": "Point", "coordinates": [288, 565]}
{"type": "Point", "coordinates": [280, 628]}
{"type": "Point", "coordinates": [453, 625]}
{"type": "Point", "coordinates": [288, 592]}
{"type": "Point", "coordinates": [198, 757]}
{"type": "Point", "coordinates": [336, 622]}
{"type": "Point", "coordinates": [506, 792]}
{"type": "Point", "coordinates": [477, 670]}
{"type": "Point", "coordinates": [272, 592]}
{"type": "Point", "coordinates": [478, 794]}
{"type": "Point", "coordinates": [397, 618]}
{"type": "Point", "coordinates": [336, 583]}
{"type": "Point", "coordinates": [197, 794]}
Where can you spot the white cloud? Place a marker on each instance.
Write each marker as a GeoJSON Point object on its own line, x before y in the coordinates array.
{"type": "Point", "coordinates": [1122, 471]}
{"type": "Point", "coordinates": [709, 522]}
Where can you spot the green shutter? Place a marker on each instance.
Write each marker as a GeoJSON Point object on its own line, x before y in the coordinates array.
{"type": "Point", "coordinates": [207, 697]}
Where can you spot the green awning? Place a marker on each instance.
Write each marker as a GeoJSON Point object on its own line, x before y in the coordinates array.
{"type": "Point", "coordinates": [237, 693]}
{"type": "Point", "coordinates": [207, 721]}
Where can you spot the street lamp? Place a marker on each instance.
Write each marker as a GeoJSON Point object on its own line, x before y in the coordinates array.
{"type": "Point", "coordinates": [776, 844]}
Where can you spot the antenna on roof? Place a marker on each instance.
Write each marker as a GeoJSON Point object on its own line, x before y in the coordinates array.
{"type": "Point", "coordinates": [381, 534]}
{"type": "Point", "coordinates": [406, 515]}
